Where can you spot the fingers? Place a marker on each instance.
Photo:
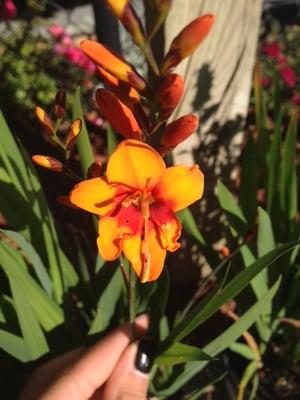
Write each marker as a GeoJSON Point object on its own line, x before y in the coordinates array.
{"type": "Point", "coordinates": [130, 378]}
{"type": "Point", "coordinates": [82, 378]}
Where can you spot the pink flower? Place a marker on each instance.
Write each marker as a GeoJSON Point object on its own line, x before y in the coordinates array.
{"type": "Point", "coordinates": [56, 30]}
{"type": "Point", "coordinates": [59, 49]}
{"type": "Point", "coordinates": [288, 75]}
{"type": "Point", "coordinates": [295, 99]}
{"type": "Point", "coordinates": [271, 49]}
{"type": "Point", "coordinates": [8, 10]}
{"type": "Point", "coordinates": [66, 40]}
{"type": "Point", "coordinates": [74, 55]}
{"type": "Point", "coordinates": [266, 81]}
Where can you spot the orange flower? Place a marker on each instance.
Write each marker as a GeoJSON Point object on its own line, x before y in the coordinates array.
{"type": "Point", "coordinates": [137, 200]}
{"type": "Point", "coordinates": [112, 63]}
{"type": "Point", "coordinates": [187, 41]}
{"type": "Point", "coordinates": [118, 114]}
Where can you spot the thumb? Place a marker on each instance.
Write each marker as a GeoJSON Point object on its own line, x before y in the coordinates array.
{"type": "Point", "coordinates": [130, 378]}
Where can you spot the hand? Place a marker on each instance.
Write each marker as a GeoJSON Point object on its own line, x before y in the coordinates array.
{"type": "Point", "coordinates": [112, 369]}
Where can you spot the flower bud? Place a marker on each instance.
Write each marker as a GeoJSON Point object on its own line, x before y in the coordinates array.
{"type": "Point", "coordinates": [95, 170]}
{"type": "Point", "coordinates": [59, 106]}
{"type": "Point", "coordinates": [112, 63]}
{"type": "Point", "coordinates": [48, 162]}
{"type": "Point", "coordinates": [123, 10]}
{"type": "Point", "coordinates": [120, 88]}
{"type": "Point", "coordinates": [187, 41]}
{"type": "Point", "coordinates": [44, 120]}
{"type": "Point", "coordinates": [169, 93]}
{"type": "Point", "coordinates": [74, 131]}
{"type": "Point", "coordinates": [177, 131]}
{"type": "Point", "coordinates": [118, 114]}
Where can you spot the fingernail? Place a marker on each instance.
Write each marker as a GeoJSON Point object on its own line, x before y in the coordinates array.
{"type": "Point", "coordinates": [145, 355]}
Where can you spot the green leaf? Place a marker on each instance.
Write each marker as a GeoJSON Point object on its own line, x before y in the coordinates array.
{"type": "Point", "coordinates": [265, 236]}
{"type": "Point", "coordinates": [273, 162]}
{"type": "Point", "coordinates": [248, 187]}
{"type": "Point", "coordinates": [232, 211]}
{"type": "Point", "coordinates": [107, 302]}
{"type": "Point", "coordinates": [201, 313]}
{"type": "Point", "coordinates": [33, 257]}
{"type": "Point", "coordinates": [83, 141]}
{"type": "Point", "coordinates": [188, 221]}
{"type": "Point", "coordinates": [219, 344]}
{"type": "Point", "coordinates": [180, 353]}
{"type": "Point", "coordinates": [288, 174]}
{"type": "Point", "coordinates": [14, 345]}
{"type": "Point", "coordinates": [111, 139]}
{"type": "Point", "coordinates": [46, 310]}
{"type": "Point", "coordinates": [32, 333]}
{"type": "Point", "coordinates": [243, 350]}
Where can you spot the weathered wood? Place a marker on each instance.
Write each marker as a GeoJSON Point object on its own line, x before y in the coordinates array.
{"type": "Point", "coordinates": [218, 75]}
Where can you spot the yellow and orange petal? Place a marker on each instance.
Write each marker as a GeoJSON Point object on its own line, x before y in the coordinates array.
{"type": "Point", "coordinates": [48, 162]}
{"type": "Point", "coordinates": [112, 63]}
{"type": "Point", "coordinates": [123, 10]}
{"type": "Point", "coordinates": [45, 120]}
{"type": "Point", "coordinates": [179, 187]}
{"type": "Point", "coordinates": [135, 164]}
{"type": "Point", "coordinates": [118, 114]}
{"type": "Point", "coordinates": [132, 248]}
{"type": "Point", "coordinates": [186, 42]}
{"type": "Point", "coordinates": [109, 240]}
{"type": "Point", "coordinates": [94, 195]}
{"type": "Point", "coordinates": [74, 131]}
{"type": "Point", "coordinates": [167, 226]}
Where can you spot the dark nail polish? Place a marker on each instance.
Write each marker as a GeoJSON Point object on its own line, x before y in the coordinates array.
{"type": "Point", "coordinates": [145, 355]}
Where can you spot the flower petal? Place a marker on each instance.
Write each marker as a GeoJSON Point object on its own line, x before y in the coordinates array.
{"type": "Point", "coordinates": [132, 248]}
{"type": "Point", "coordinates": [167, 225]}
{"type": "Point", "coordinates": [94, 195]}
{"type": "Point", "coordinates": [135, 164]}
{"type": "Point", "coordinates": [179, 187]}
{"type": "Point", "coordinates": [109, 240]}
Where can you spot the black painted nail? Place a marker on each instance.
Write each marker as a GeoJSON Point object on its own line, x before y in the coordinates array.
{"type": "Point", "coordinates": [145, 355]}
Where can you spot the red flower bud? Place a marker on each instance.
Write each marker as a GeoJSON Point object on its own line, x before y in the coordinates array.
{"type": "Point", "coordinates": [177, 131]}
{"type": "Point", "coordinates": [95, 170]}
{"type": "Point", "coordinates": [48, 162]}
{"type": "Point", "coordinates": [169, 93]}
{"type": "Point", "coordinates": [187, 41]}
{"type": "Point", "coordinates": [112, 63]}
{"type": "Point", "coordinates": [45, 120]}
{"type": "Point", "coordinates": [118, 114]}
{"type": "Point", "coordinates": [123, 10]}
{"type": "Point", "coordinates": [59, 106]}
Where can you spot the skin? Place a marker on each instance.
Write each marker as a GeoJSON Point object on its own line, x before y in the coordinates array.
{"type": "Point", "coordinates": [103, 372]}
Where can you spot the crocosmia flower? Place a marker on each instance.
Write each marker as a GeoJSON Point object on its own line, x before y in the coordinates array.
{"type": "Point", "coordinates": [137, 200]}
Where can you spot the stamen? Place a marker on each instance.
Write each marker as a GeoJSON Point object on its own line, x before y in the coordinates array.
{"type": "Point", "coordinates": [145, 241]}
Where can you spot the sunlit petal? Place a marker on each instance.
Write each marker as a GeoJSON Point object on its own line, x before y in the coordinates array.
{"type": "Point", "coordinates": [109, 240]}
{"type": "Point", "coordinates": [167, 226]}
{"type": "Point", "coordinates": [93, 195]}
{"type": "Point", "coordinates": [179, 187]}
{"type": "Point", "coordinates": [135, 164]}
{"type": "Point", "coordinates": [132, 248]}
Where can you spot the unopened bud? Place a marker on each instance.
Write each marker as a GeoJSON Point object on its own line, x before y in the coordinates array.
{"type": "Point", "coordinates": [44, 120]}
{"type": "Point", "coordinates": [95, 170]}
{"type": "Point", "coordinates": [187, 41]}
{"type": "Point", "coordinates": [112, 63]}
{"type": "Point", "coordinates": [74, 131]}
{"type": "Point", "coordinates": [177, 131]}
{"type": "Point", "coordinates": [48, 162]}
{"type": "Point", "coordinates": [59, 106]}
{"type": "Point", "coordinates": [118, 114]}
{"type": "Point", "coordinates": [169, 93]}
{"type": "Point", "coordinates": [123, 10]}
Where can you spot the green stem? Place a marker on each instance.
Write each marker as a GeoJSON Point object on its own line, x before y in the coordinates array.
{"type": "Point", "coordinates": [146, 49]}
{"type": "Point", "coordinates": [131, 299]}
